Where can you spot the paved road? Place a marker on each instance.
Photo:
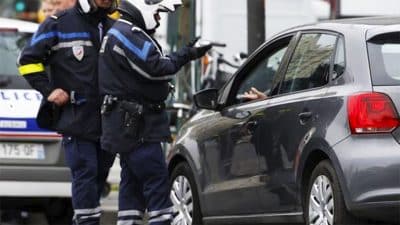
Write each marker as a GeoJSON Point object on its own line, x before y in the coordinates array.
{"type": "Point", "coordinates": [109, 216]}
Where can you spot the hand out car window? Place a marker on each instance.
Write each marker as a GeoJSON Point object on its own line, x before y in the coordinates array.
{"type": "Point", "coordinates": [263, 73]}
{"type": "Point", "coordinates": [309, 66]}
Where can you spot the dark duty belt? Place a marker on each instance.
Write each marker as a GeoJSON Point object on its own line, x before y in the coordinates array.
{"type": "Point", "coordinates": [156, 107]}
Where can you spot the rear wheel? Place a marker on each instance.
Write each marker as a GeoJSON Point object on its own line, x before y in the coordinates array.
{"type": "Point", "coordinates": [324, 198]}
{"type": "Point", "coordinates": [184, 197]}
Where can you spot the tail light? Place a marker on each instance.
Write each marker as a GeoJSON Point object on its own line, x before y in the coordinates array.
{"type": "Point", "coordinates": [371, 112]}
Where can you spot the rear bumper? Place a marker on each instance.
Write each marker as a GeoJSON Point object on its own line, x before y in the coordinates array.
{"type": "Point", "coordinates": [35, 181]}
{"type": "Point", "coordinates": [35, 173]}
{"type": "Point", "coordinates": [370, 170]}
{"type": "Point", "coordinates": [35, 189]}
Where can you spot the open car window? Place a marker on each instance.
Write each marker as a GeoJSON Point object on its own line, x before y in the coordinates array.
{"type": "Point", "coordinates": [261, 72]}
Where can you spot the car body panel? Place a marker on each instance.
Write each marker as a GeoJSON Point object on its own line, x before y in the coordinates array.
{"type": "Point", "coordinates": [367, 166]}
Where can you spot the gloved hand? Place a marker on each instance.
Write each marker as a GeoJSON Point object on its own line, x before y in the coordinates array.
{"type": "Point", "coordinates": [197, 52]}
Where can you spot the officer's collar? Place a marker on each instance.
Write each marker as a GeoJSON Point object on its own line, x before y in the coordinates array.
{"type": "Point", "coordinates": [137, 21]}
{"type": "Point", "coordinates": [99, 15]}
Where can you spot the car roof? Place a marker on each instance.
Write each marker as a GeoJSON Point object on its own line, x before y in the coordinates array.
{"type": "Point", "coordinates": [376, 21]}
{"type": "Point", "coordinates": [349, 25]}
{"type": "Point", "coordinates": [20, 25]}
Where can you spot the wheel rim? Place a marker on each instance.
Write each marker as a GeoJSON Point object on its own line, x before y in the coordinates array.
{"type": "Point", "coordinates": [181, 197]}
{"type": "Point", "coordinates": [321, 204]}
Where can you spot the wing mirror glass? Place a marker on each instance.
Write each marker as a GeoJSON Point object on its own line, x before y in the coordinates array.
{"type": "Point", "coordinates": [207, 99]}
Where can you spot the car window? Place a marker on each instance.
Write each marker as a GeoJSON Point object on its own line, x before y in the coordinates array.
{"type": "Point", "coordinates": [262, 71]}
{"type": "Point", "coordinates": [11, 44]}
{"type": "Point", "coordinates": [384, 54]}
{"type": "Point", "coordinates": [310, 63]}
{"type": "Point", "coordinates": [262, 76]}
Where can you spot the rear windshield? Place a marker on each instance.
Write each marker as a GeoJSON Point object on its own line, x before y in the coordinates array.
{"type": "Point", "coordinates": [11, 44]}
{"type": "Point", "coordinates": [384, 56]}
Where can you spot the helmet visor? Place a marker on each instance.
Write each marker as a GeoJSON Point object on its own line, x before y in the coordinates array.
{"type": "Point", "coordinates": [152, 2]}
{"type": "Point", "coordinates": [169, 5]}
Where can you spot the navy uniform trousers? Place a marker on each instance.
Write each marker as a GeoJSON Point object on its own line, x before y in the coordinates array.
{"type": "Point", "coordinates": [144, 186]}
{"type": "Point", "coordinates": [89, 166]}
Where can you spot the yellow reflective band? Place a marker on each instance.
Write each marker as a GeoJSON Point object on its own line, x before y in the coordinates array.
{"type": "Point", "coordinates": [31, 68]}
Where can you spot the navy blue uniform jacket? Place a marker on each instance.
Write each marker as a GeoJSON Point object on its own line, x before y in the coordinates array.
{"type": "Point", "coordinates": [132, 66]}
{"type": "Point", "coordinates": [69, 43]}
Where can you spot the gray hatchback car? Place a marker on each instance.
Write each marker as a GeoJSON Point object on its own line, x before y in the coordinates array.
{"type": "Point", "coordinates": [322, 148]}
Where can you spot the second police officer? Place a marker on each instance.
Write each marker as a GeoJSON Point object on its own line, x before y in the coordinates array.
{"type": "Point", "coordinates": [69, 42]}
{"type": "Point", "coordinates": [133, 77]}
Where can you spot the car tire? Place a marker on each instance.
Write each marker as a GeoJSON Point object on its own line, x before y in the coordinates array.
{"type": "Point", "coordinates": [184, 196]}
{"type": "Point", "coordinates": [330, 207]}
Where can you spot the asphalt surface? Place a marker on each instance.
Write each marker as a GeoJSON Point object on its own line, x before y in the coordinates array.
{"type": "Point", "coordinates": [109, 217]}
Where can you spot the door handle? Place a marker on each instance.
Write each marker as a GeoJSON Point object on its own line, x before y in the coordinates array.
{"type": "Point", "coordinates": [252, 125]}
{"type": "Point", "coordinates": [304, 117]}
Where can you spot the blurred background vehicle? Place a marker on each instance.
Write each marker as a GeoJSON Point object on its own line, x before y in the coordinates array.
{"type": "Point", "coordinates": [33, 174]}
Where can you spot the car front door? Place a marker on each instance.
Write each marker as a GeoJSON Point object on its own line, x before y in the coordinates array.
{"type": "Point", "coordinates": [290, 118]}
{"type": "Point", "coordinates": [231, 154]}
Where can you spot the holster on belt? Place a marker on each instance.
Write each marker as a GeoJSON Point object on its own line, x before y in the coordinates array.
{"type": "Point", "coordinates": [122, 124]}
{"type": "Point", "coordinates": [133, 118]}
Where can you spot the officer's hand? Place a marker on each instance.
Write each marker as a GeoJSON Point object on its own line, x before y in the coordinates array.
{"type": "Point", "coordinates": [193, 42]}
{"type": "Point", "coordinates": [58, 97]}
{"type": "Point", "coordinates": [197, 52]}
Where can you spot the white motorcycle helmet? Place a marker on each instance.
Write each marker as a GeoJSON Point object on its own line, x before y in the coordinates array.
{"type": "Point", "coordinates": [90, 6]}
{"type": "Point", "coordinates": [149, 9]}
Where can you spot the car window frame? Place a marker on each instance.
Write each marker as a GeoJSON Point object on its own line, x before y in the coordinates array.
{"type": "Point", "coordinates": [331, 78]}
{"type": "Point", "coordinates": [227, 94]}
{"type": "Point", "coordinates": [332, 59]}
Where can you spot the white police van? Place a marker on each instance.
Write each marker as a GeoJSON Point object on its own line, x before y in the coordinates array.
{"type": "Point", "coordinates": [32, 170]}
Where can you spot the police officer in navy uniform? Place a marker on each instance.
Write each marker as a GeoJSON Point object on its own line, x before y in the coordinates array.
{"type": "Point", "coordinates": [68, 43]}
{"type": "Point", "coordinates": [133, 77]}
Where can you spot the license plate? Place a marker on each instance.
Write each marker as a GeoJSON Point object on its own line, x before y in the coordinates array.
{"type": "Point", "coordinates": [21, 151]}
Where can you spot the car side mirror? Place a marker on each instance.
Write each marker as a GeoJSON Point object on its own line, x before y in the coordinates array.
{"type": "Point", "coordinates": [206, 99]}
